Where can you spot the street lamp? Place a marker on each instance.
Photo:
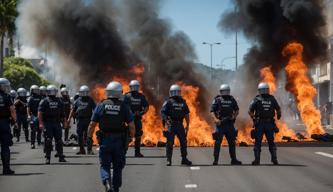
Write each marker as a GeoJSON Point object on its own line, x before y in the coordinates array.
{"type": "Point", "coordinates": [211, 55]}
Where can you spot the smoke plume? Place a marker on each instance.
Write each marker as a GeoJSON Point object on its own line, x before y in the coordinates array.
{"type": "Point", "coordinates": [271, 24]}
{"type": "Point", "coordinates": [104, 38]}
{"type": "Point", "coordinates": [79, 34]}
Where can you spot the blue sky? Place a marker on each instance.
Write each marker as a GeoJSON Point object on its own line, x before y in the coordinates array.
{"type": "Point", "coordinates": [198, 19]}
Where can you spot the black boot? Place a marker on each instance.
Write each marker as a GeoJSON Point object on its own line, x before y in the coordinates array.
{"type": "Point", "coordinates": [169, 162]}
{"type": "Point", "coordinates": [256, 158]}
{"type": "Point", "coordinates": [6, 166]}
{"type": "Point", "coordinates": [108, 186]}
{"type": "Point", "coordinates": [185, 161]}
{"type": "Point", "coordinates": [234, 160]}
{"type": "Point", "coordinates": [81, 152]}
{"type": "Point", "coordinates": [274, 157]}
{"type": "Point", "coordinates": [62, 159]}
{"type": "Point", "coordinates": [216, 160]}
{"type": "Point", "coordinates": [33, 146]}
{"type": "Point", "coordinates": [47, 161]}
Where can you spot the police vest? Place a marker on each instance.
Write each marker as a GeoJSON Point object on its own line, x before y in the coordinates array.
{"type": "Point", "coordinates": [177, 109]}
{"type": "Point", "coordinates": [265, 107]}
{"type": "Point", "coordinates": [112, 120]}
{"type": "Point", "coordinates": [53, 111]}
{"type": "Point", "coordinates": [34, 103]}
{"type": "Point", "coordinates": [67, 105]}
{"type": "Point", "coordinates": [21, 108]}
{"type": "Point", "coordinates": [4, 108]}
{"type": "Point", "coordinates": [225, 106]}
{"type": "Point", "coordinates": [84, 109]}
{"type": "Point", "coordinates": [135, 101]}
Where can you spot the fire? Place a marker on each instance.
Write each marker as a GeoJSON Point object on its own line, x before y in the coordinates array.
{"type": "Point", "coordinates": [200, 132]}
{"type": "Point", "coordinates": [269, 78]}
{"type": "Point", "coordinates": [300, 85]}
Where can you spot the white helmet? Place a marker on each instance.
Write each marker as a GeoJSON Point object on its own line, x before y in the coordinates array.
{"type": "Point", "coordinates": [34, 89]}
{"type": "Point", "coordinates": [224, 89]}
{"type": "Point", "coordinates": [175, 90]}
{"type": "Point", "coordinates": [42, 90]}
{"type": "Point", "coordinates": [263, 88]}
{"type": "Point", "coordinates": [114, 90]}
{"type": "Point", "coordinates": [84, 91]}
{"type": "Point", "coordinates": [13, 93]}
{"type": "Point", "coordinates": [52, 90]}
{"type": "Point", "coordinates": [22, 92]}
{"type": "Point", "coordinates": [64, 91]}
{"type": "Point", "coordinates": [134, 85]}
{"type": "Point", "coordinates": [4, 85]}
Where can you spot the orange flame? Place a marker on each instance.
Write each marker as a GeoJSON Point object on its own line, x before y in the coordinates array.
{"type": "Point", "coordinates": [200, 132]}
{"type": "Point", "coordinates": [300, 85]}
{"type": "Point", "coordinates": [269, 78]}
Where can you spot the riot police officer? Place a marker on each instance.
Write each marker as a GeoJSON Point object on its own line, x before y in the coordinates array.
{"type": "Point", "coordinates": [33, 103]}
{"type": "Point", "coordinates": [174, 111]}
{"type": "Point", "coordinates": [224, 111]}
{"type": "Point", "coordinates": [139, 106]}
{"type": "Point", "coordinates": [13, 95]}
{"type": "Point", "coordinates": [83, 109]}
{"type": "Point", "coordinates": [51, 115]}
{"type": "Point", "coordinates": [112, 114]}
{"type": "Point", "coordinates": [67, 109]}
{"type": "Point", "coordinates": [42, 91]}
{"type": "Point", "coordinates": [21, 114]}
{"type": "Point", "coordinates": [263, 109]}
{"type": "Point", "coordinates": [7, 112]}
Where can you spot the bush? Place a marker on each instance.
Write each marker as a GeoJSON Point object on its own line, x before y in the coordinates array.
{"type": "Point", "coordinates": [20, 73]}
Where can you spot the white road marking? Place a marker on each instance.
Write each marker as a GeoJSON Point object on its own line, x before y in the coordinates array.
{"type": "Point", "coordinates": [324, 154]}
{"type": "Point", "coordinates": [74, 148]}
{"type": "Point", "coordinates": [195, 168]}
{"type": "Point", "coordinates": [191, 186]}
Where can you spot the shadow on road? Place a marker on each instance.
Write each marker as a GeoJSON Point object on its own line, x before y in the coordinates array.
{"type": "Point", "coordinates": [147, 157]}
{"type": "Point", "coordinates": [38, 164]}
{"type": "Point", "coordinates": [81, 156]}
{"type": "Point", "coordinates": [139, 164]}
{"type": "Point", "coordinates": [246, 165]}
{"type": "Point", "coordinates": [23, 174]}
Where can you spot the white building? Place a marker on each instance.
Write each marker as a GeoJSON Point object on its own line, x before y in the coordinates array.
{"type": "Point", "coordinates": [6, 47]}
{"type": "Point", "coordinates": [322, 73]}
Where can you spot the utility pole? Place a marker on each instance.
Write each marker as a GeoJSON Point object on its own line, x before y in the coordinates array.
{"type": "Point", "coordinates": [211, 56]}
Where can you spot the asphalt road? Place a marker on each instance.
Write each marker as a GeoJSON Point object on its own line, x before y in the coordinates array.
{"type": "Point", "coordinates": [302, 169]}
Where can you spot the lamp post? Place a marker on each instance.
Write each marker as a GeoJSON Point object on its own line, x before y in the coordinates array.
{"type": "Point", "coordinates": [211, 55]}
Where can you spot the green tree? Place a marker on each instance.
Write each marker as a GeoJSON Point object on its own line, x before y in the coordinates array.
{"type": "Point", "coordinates": [20, 73]}
{"type": "Point", "coordinates": [8, 14]}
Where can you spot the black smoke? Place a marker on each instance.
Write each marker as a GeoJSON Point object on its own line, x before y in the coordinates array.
{"type": "Point", "coordinates": [103, 38]}
{"type": "Point", "coordinates": [168, 55]}
{"type": "Point", "coordinates": [84, 33]}
{"type": "Point", "coordinates": [271, 24]}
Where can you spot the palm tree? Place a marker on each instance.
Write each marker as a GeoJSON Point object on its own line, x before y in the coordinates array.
{"type": "Point", "coordinates": [8, 14]}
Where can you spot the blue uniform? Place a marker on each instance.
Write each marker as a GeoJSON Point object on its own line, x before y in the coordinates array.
{"type": "Point", "coordinates": [5, 132]}
{"type": "Point", "coordinates": [112, 114]}
{"type": "Point", "coordinates": [52, 115]}
{"type": "Point", "coordinates": [33, 103]}
{"type": "Point", "coordinates": [137, 102]}
{"type": "Point", "coordinates": [174, 111]}
{"type": "Point", "coordinates": [22, 117]}
{"type": "Point", "coordinates": [83, 108]}
{"type": "Point", "coordinates": [264, 108]}
{"type": "Point", "coordinates": [224, 108]}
